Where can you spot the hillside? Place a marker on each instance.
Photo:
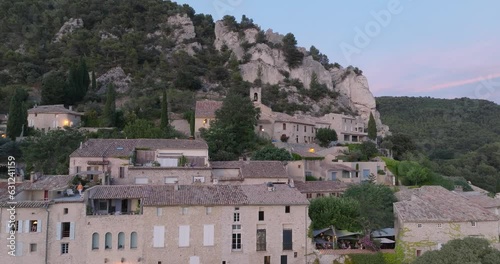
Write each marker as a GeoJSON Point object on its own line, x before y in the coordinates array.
{"type": "Point", "coordinates": [147, 46]}
{"type": "Point", "coordinates": [442, 128]}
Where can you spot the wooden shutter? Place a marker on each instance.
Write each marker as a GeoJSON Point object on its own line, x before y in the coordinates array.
{"type": "Point", "coordinates": [208, 235]}
{"type": "Point", "coordinates": [58, 231]}
{"type": "Point", "coordinates": [39, 226]}
{"type": "Point", "coordinates": [72, 230]}
{"type": "Point", "coordinates": [158, 236]}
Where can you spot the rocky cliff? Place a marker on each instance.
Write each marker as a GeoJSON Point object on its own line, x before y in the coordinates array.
{"type": "Point", "coordinates": [267, 63]}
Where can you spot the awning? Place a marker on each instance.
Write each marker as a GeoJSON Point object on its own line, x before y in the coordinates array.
{"type": "Point", "coordinates": [385, 232]}
{"type": "Point", "coordinates": [345, 233]}
{"type": "Point", "coordinates": [384, 240]}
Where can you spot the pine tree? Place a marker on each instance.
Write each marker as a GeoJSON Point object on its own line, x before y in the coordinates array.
{"type": "Point", "coordinates": [110, 106]}
{"type": "Point", "coordinates": [164, 112]}
{"type": "Point", "coordinates": [18, 116]}
{"type": "Point", "coordinates": [372, 128]}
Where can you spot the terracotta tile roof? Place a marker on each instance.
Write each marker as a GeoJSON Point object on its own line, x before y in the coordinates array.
{"type": "Point", "coordinates": [282, 117]}
{"type": "Point", "coordinates": [436, 204]}
{"type": "Point", "coordinates": [481, 199]}
{"type": "Point", "coordinates": [4, 194]}
{"type": "Point", "coordinates": [49, 182]}
{"type": "Point", "coordinates": [124, 147]}
{"type": "Point", "coordinates": [52, 109]}
{"type": "Point", "coordinates": [202, 194]}
{"type": "Point", "coordinates": [254, 168]}
{"type": "Point", "coordinates": [27, 204]}
{"type": "Point", "coordinates": [207, 108]}
{"type": "Point", "coordinates": [321, 186]}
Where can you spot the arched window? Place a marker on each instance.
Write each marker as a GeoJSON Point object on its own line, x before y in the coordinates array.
{"type": "Point", "coordinates": [107, 241]}
{"type": "Point", "coordinates": [121, 240]}
{"type": "Point", "coordinates": [95, 241]}
{"type": "Point", "coordinates": [256, 97]}
{"type": "Point", "coordinates": [133, 240]}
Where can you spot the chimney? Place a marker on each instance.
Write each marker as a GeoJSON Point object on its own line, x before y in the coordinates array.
{"type": "Point", "coordinates": [81, 144]}
{"type": "Point", "coordinates": [291, 183]}
{"type": "Point", "coordinates": [70, 108]}
{"type": "Point", "coordinates": [270, 187]}
{"type": "Point", "coordinates": [33, 176]}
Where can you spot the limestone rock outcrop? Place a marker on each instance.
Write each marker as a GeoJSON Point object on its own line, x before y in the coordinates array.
{"type": "Point", "coordinates": [69, 26]}
{"type": "Point", "coordinates": [267, 63]}
{"type": "Point", "coordinates": [117, 77]}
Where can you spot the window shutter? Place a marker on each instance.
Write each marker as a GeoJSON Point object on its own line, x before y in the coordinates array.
{"type": "Point", "coordinates": [58, 231]}
{"type": "Point", "coordinates": [158, 236]}
{"type": "Point", "coordinates": [27, 227]}
{"type": "Point", "coordinates": [208, 235]}
{"type": "Point", "coordinates": [20, 226]}
{"type": "Point", "coordinates": [72, 230]}
{"type": "Point", "coordinates": [19, 249]}
{"type": "Point", "coordinates": [39, 226]}
{"type": "Point", "coordinates": [194, 260]}
{"type": "Point", "coordinates": [184, 236]}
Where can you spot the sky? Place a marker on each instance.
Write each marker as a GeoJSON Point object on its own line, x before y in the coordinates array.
{"type": "Point", "coordinates": [442, 49]}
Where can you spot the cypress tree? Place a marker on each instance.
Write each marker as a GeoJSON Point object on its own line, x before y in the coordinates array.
{"type": "Point", "coordinates": [164, 112]}
{"type": "Point", "coordinates": [17, 115]}
{"type": "Point", "coordinates": [372, 128]}
{"type": "Point", "coordinates": [84, 78]}
{"type": "Point", "coordinates": [110, 106]}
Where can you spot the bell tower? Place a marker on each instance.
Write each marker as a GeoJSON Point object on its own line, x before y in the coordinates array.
{"type": "Point", "coordinates": [255, 94]}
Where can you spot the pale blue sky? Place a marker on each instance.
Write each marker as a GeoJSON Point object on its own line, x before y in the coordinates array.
{"type": "Point", "coordinates": [442, 49]}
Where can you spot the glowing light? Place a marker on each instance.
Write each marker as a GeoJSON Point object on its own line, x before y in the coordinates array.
{"type": "Point", "coordinates": [311, 150]}
{"type": "Point", "coordinates": [66, 122]}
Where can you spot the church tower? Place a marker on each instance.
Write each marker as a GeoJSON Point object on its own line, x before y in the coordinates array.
{"type": "Point", "coordinates": [255, 94]}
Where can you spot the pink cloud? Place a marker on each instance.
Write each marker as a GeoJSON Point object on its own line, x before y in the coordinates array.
{"type": "Point", "coordinates": [460, 82]}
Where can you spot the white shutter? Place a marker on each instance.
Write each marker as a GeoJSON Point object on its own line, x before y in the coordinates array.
{"type": "Point", "coordinates": [39, 226]}
{"type": "Point", "coordinates": [58, 231]}
{"type": "Point", "coordinates": [184, 236]}
{"type": "Point", "coordinates": [141, 180]}
{"type": "Point", "coordinates": [158, 236]}
{"type": "Point", "coordinates": [20, 226]}
{"type": "Point", "coordinates": [159, 211]}
{"type": "Point", "coordinates": [27, 227]}
{"type": "Point", "coordinates": [208, 235]}
{"type": "Point", "coordinates": [19, 249]}
{"type": "Point", "coordinates": [194, 260]}
{"type": "Point", "coordinates": [72, 230]}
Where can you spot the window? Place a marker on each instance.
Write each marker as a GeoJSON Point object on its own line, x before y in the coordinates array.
{"type": "Point", "coordinates": [236, 227]}
{"type": "Point", "coordinates": [171, 180]}
{"type": "Point", "coordinates": [419, 252]}
{"type": "Point", "coordinates": [208, 210]}
{"type": "Point", "coordinates": [305, 128]}
{"type": "Point", "coordinates": [236, 241]}
{"type": "Point", "coordinates": [284, 259]}
{"type": "Point", "coordinates": [133, 240]}
{"type": "Point", "coordinates": [199, 179]}
{"type": "Point", "coordinates": [308, 173]}
{"type": "Point", "coordinates": [15, 227]}
{"type": "Point", "coordinates": [267, 259]}
{"type": "Point", "coordinates": [103, 205]}
{"type": "Point", "coordinates": [287, 209]}
{"type": "Point", "coordinates": [261, 215]}
{"type": "Point", "coordinates": [64, 248]}
{"type": "Point", "coordinates": [95, 241]}
{"type": "Point", "coordinates": [261, 240]}
{"type": "Point", "coordinates": [184, 236]}
{"type": "Point", "coordinates": [287, 239]}
{"type": "Point", "coordinates": [66, 229]}
{"type": "Point", "coordinates": [236, 217]}
{"type": "Point", "coordinates": [184, 210]}
{"type": "Point", "coordinates": [108, 240]}
{"type": "Point", "coordinates": [34, 226]}
{"type": "Point", "coordinates": [208, 235]}
{"type": "Point", "coordinates": [473, 223]}
{"type": "Point", "coordinates": [158, 236]}
{"type": "Point", "coordinates": [297, 127]}
{"type": "Point", "coordinates": [419, 225]}
{"type": "Point", "coordinates": [159, 211]}
{"type": "Point", "coordinates": [65, 211]}
{"type": "Point", "coordinates": [440, 225]}
{"type": "Point", "coordinates": [319, 195]}
{"type": "Point", "coordinates": [284, 126]}
{"type": "Point", "coordinates": [298, 166]}
{"type": "Point", "coordinates": [32, 247]}
{"type": "Point", "coordinates": [309, 195]}
{"type": "Point", "coordinates": [121, 240]}
{"type": "Point", "coordinates": [78, 169]}
{"type": "Point", "coordinates": [122, 172]}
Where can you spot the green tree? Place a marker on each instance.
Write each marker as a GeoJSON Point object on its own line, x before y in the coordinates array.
{"type": "Point", "coordinates": [342, 213]}
{"type": "Point", "coordinates": [18, 116]}
{"type": "Point", "coordinates": [467, 250]}
{"type": "Point", "coordinates": [141, 128]}
{"type": "Point", "coordinates": [293, 56]}
{"type": "Point", "coordinates": [375, 205]}
{"type": "Point", "coordinates": [42, 155]}
{"type": "Point", "coordinates": [110, 106]}
{"type": "Point", "coordinates": [78, 82]}
{"type": "Point", "coordinates": [232, 133]}
{"type": "Point", "coordinates": [272, 153]}
{"type": "Point", "coordinates": [372, 128]}
{"type": "Point", "coordinates": [164, 112]}
{"type": "Point", "coordinates": [402, 144]}
{"type": "Point", "coordinates": [325, 136]}
{"type": "Point", "coordinates": [53, 87]}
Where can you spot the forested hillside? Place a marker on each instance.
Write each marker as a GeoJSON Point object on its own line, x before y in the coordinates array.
{"type": "Point", "coordinates": [461, 137]}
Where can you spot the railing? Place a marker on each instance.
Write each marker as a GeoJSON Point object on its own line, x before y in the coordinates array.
{"type": "Point", "coordinates": [288, 246]}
